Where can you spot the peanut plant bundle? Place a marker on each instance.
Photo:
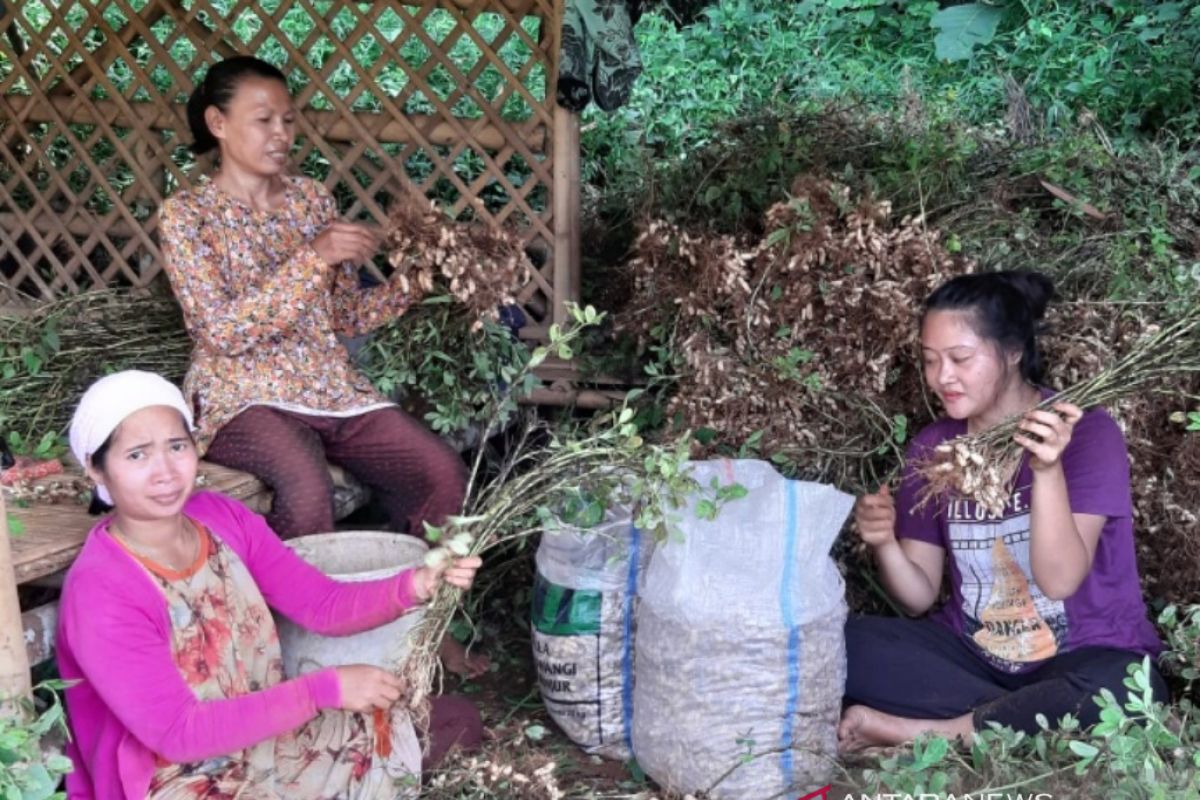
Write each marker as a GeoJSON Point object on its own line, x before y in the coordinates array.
{"type": "Point", "coordinates": [550, 474]}
{"type": "Point", "coordinates": [481, 267]}
{"type": "Point", "coordinates": [547, 473]}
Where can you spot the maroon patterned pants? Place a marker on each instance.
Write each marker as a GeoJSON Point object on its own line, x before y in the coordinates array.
{"type": "Point", "coordinates": [415, 475]}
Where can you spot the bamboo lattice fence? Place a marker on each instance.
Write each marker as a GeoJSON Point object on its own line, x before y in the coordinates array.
{"type": "Point", "coordinates": [451, 99]}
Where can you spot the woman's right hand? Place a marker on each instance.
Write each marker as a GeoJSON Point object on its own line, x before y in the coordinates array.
{"type": "Point", "coordinates": [875, 516]}
{"type": "Point", "coordinates": [365, 688]}
{"type": "Point", "coordinates": [347, 241]}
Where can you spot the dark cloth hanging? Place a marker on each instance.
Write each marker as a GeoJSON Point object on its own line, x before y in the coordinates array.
{"type": "Point", "coordinates": [600, 58]}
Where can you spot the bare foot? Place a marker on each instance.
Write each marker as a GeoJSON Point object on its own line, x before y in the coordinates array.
{"type": "Point", "coordinates": [862, 728]}
{"type": "Point", "coordinates": [456, 659]}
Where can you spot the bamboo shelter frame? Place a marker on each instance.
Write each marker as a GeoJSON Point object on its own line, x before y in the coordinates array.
{"type": "Point", "coordinates": [458, 103]}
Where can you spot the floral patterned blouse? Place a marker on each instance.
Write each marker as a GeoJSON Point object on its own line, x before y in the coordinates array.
{"type": "Point", "coordinates": [225, 644]}
{"type": "Point", "coordinates": [264, 310]}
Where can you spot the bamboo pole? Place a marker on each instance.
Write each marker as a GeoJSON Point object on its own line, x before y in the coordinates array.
{"type": "Point", "coordinates": [14, 661]}
{"type": "Point", "coordinates": [566, 212]}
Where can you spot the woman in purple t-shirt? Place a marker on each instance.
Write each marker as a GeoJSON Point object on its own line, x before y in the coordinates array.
{"type": "Point", "coordinates": [1045, 606]}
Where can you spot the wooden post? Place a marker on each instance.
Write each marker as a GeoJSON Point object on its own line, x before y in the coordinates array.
{"type": "Point", "coordinates": [14, 661]}
{"type": "Point", "coordinates": [566, 211]}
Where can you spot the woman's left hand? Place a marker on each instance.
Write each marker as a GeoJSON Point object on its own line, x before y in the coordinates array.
{"type": "Point", "coordinates": [460, 573]}
{"type": "Point", "coordinates": [1052, 429]}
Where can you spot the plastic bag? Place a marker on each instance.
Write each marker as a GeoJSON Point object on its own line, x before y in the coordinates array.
{"type": "Point", "coordinates": [583, 599]}
{"type": "Point", "coordinates": [740, 655]}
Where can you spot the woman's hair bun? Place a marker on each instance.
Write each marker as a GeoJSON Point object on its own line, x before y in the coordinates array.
{"type": "Point", "coordinates": [1036, 288]}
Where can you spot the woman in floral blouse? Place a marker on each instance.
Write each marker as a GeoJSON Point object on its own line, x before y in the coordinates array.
{"type": "Point", "coordinates": [268, 278]}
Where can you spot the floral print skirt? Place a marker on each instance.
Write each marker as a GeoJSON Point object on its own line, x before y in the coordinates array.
{"type": "Point", "coordinates": [332, 757]}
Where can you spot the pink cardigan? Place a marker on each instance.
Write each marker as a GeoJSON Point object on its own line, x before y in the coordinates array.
{"type": "Point", "coordinates": [131, 702]}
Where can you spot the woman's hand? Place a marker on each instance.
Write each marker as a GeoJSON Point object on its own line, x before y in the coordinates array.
{"type": "Point", "coordinates": [1052, 429]}
{"type": "Point", "coordinates": [347, 241]}
{"type": "Point", "coordinates": [875, 516]}
{"type": "Point", "coordinates": [365, 688]}
{"type": "Point", "coordinates": [460, 572]}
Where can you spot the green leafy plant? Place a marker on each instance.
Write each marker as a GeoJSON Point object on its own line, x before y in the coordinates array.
{"type": "Point", "coordinates": [458, 378]}
{"type": "Point", "coordinates": [49, 445]}
{"type": "Point", "coordinates": [29, 770]}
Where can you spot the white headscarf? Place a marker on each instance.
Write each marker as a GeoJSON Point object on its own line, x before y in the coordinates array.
{"type": "Point", "coordinates": [110, 400]}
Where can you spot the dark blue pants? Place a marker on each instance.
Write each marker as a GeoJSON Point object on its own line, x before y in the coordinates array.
{"type": "Point", "coordinates": [919, 669]}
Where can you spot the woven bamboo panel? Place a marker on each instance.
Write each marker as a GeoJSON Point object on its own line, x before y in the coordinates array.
{"type": "Point", "coordinates": [449, 99]}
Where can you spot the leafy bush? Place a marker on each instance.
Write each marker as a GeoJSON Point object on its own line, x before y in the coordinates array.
{"type": "Point", "coordinates": [439, 367]}
{"type": "Point", "coordinates": [1129, 66]}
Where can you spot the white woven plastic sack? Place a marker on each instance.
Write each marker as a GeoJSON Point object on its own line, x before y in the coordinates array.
{"type": "Point", "coordinates": [740, 652]}
{"type": "Point", "coordinates": [583, 600]}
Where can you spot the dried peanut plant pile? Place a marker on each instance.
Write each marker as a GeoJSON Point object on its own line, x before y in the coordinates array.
{"type": "Point", "coordinates": [808, 336]}
{"type": "Point", "coordinates": [479, 266]}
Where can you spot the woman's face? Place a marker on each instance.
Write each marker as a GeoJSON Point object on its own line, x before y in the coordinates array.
{"type": "Point", "coordinates": [150, 467]}
{"type": "Point", "coordinates": [967, 372]}
{"type": "Point", "coordinates": [257, 129]}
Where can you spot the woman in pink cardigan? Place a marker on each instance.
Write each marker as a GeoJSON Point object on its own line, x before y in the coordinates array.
{"type": "Point", "coordinates": [165, 625]}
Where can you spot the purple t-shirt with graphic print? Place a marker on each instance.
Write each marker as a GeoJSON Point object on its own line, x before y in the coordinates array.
{"type": "Point", "coordinates": [995, 603]}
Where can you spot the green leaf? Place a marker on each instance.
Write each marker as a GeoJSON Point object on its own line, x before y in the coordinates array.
{"type": "Point", "coordinates": [50, 338]}
{"type": "Point", "coordinates": [33, 362]}
{"type": "Point", "coordinates": [39, 785]}
{"type": "Point", "coordinates": [734, 491]}
{"type": "Point", "coordinates": [706, 509]}
{"type": "Point", "coordinates": [593, 514]}
{"type": "Point", "coordinates": [1084, 750]}
{"type": "Point", "coordinates": [47, 443]}
{"type": "Point", "coordinates": [963, 28]}
{"type": "Point", "coordinates": [778, 236]}
{"type": "Point", "coordinates": [935, 751]}
{"type": "Point", "coordinates": [535, 733]}
{"type": "Point", "coordinates": [704, 436]}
